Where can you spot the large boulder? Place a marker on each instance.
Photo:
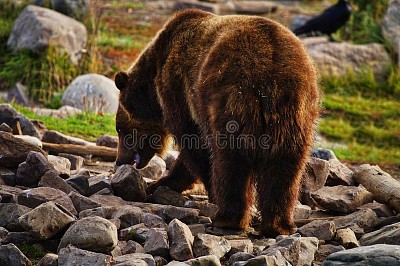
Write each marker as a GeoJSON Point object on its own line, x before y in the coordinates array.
{"type": "Point", "coordinates": [11, 117]}
{"type": "Point", "coordinates": [391, 25]}
{"type": "Point", "coordinates": [92, 92]}
{"type": "Point", "coordinates": [37, 28]}
{"type": "Point", "coordinates": [336, 58]}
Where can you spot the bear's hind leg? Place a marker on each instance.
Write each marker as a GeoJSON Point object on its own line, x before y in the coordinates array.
{"type": "Point", "coordinates": [278, 185]}
{"type": "Point", "coordinates": [232, 189]}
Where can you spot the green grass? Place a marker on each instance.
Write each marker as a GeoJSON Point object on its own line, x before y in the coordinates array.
{"type": "Point", "coordinates": [33, 253]}
{"type": "Point", "coordinates": [127, 4]}
{"type": "Point", "coordinates": [118, 41]}
{"type": "Point", "coordinates": [88, 126]}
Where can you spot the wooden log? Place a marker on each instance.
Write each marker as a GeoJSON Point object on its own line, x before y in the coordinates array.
{"type": "Point", "coordinates": [347, 238]}
{"type": "Point", "coordinates": [81, 150]}
{"type": "Point", "coordinates": [385, 188]}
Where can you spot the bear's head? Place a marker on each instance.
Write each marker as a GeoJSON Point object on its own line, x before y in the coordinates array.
{"type": "Point", "coordinates": [138, 122]}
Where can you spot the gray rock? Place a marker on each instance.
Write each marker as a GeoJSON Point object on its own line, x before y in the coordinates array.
{"type": "Point", "coordinates": [30, 172]}
{"type": "Point", "coordinates": [18, 94]}
{"type": "Point", "coordinates": [323, 154]}
{"type": "Point", "coordinates": [130, 246]}
{"type": "Point", "coordinates": [157, 243]}
{"type": "Point", "coordinates": [381, 210]}
{"type": "Point", "coordinates": [129, 184]}
{"type": "Point", "coordinates": [91, 233]}
{"type": "Point", "coordinates": [295, 249]}
{"type": "Point", "coordinates": [45, 221]}
{"type": "Point", "coordinates": [206, 209]}
{"type": "Point", "coordinates": [92, 92]}
{"type": "Point", "coordinates": [10, 255]}
{"type": "Point", "coordinates": [31, 140]}
{"type": "Point", "coordinates": [137, 233]}
{"type": "Point", "coordinates": [129, 215]}
{"type": "Point", "coordinates": [388, 255]}
{"type": "Point", "coordinates": [260, 245]}
{"type": "Point", "coordinates": [389, 234]}
{"type": "Point", "coordinates": [153, 221]}
{"type": "Point", "coordinates": [239, 257]}
{"type": "Point", "coordinates": [167, 196]}
{"type": "Point", "coordinates": [316, 174]}
{"type": "Point", "coordinates": [75, 160]}
{"type": "Point", "coordinates": [274, 258]}
{"type": "Point", "coordinates": [98, 183]}
{"type": "Point", "coordinates": [363, 219]}
{"type": "Point", "coordinates": [181, 240]}
{"type": "Point", "coordinates": [7, 176]}
{"type": "Point", "coordinates": [82, 203]}
{"type": "Point", "coordinates": [205, 244]}
{"type": "Point", "coordinates": [74, 8]}
{"type": "Point", "coordinates": [391, 26]}
{"type": "Point", "coordinates": [15, 151]}
{"type": "Point", "coordinates": [197, 229]}
{"type": "Point", "coordinates": [9, 215]}
{"type": "Point", "coordinates": [135, 259]}
{"type": "Point", "coordinates": [49, 259]}
{"type": "Point", "coordinates": [36, 196]}
{"type": "Point", "coordinates": [10, 116]}
{"type": "Point", "coordinates": [105, 212]}
{"type": "Point", "coordinates": [3, 233]}
{"type": "Point", "coordinates": [339, 174]}
{"type": "Point", "coordinates": [61, 164]}
{"type": "Point", "coordinates": [155, 169]}
{"type": "Point", "coordinates": [298, 21]}
{"type": "Point", "coordinates": [301, 211]}
{"type": "Point", "coordinates": [240, 246]}
{"type": "Point", "coordinates": [325, 250]}
{"type": "Point", "coordinates": [37, 28]}
{"type": "Point", "coordinates": [107, 141]}
{"type": "Point", "coordinates": [335, 58]}
{"type": "Point", "coordinates": [209, 260]}
{"type": "Point", "coordinates": [53, 136]}
{"type": "Point", "coordinates": [321, 229]}
{"type": "Point", "coordinates": [63, 112]}
{"type": "Point", "coordinates": [80, 182]}
{"type": "Point", "coordinates": [52, 179]}
{"type": "Point", "coordinates": [72, 256]}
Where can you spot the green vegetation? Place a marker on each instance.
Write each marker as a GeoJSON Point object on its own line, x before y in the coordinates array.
{"type": "Point", "coordinates": [34, 253]}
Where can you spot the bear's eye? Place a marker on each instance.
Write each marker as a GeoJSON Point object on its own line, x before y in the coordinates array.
{"type": "Point", "coordinates": [118, 129]}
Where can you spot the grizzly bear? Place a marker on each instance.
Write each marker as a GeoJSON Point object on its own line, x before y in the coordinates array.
{"type": "Point", "coordinates": [246, 90]}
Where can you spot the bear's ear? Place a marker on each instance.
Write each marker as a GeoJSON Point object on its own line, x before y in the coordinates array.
{"type": "Point", "coordinates": [121, 80]}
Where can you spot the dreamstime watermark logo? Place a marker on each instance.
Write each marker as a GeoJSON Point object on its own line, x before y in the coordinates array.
{"type": "Point", "coordinates": [230, 138]}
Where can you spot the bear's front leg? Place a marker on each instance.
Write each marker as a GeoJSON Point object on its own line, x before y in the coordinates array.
{"type": "Point", "coordinates": [232, 189]}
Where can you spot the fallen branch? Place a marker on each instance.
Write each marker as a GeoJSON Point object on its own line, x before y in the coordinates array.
{"type": "Point", "coordinates": [347, 238]}
{"type": "Point", "coordinates": [385, 188]}
{"type": "Point", "coordinates": [81, 150]}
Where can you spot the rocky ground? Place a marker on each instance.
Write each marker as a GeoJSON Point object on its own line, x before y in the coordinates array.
{"type": "Point", "coordinates": [77, 210]}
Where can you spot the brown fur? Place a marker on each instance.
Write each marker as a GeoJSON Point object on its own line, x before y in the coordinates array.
{"type": "Point", "coordinates": [200, 73]}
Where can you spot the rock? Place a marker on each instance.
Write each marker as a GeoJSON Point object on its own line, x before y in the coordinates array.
{"type": "Point", "coordinates": [326, 250]}
{"type": "Point", "coordinates": [129, 184]}
{"type": "Point", "coordinates": [151, 220]}
{"type": "Point", "coordinates": [299, 21]}
{"type": "Point", "coordinates": [239, 256]}
{"type": "Point", "coordinates": [9, 215]}
{"type": "Point", "coordinates": [274, 258]}
{"type": "Point", "coordinates": [381, 210]}
{"type": "Point", "coordinates": [91, 233]}
{"type": "Point", "coordinates": [155, 169]}
{"type": "Point", "coordinates": [31, 140]}
{"type": "Point", "coordinates": [301, 211]}
{"type": "Point", "coordinates": [30, 172]}
{"type": "Point", "coordinates": [181, 240]}
{"type": "Point", "coordinates": [381, 254]}
{"type": "Point", "coordinates": [36, 196]}
{"type": "Point", "coordinates": [71, 256]}
{"type": "Point", "coordinates": [49, 259]}
{"type": "Point", "coordinates": [97, 183]}
{"type": "Point", "coordinates": [389, 234]}
{"type": "Point", "coordinates": [7, 176]}
{"type": "Point", "coordinates": [197, 229]}
{"type": "Point", "coordinates": [205, 244]}
{"type": "Point", "coordinates": [52, 179]}
{"type": "Point", "coordinates": [323, 154]}
{"type": "Point", "coordinates": [167, 196]}
{"type": "Point", "coordinates": [6, 128]}
{"type": "Point", "coordinates": [18, 94]}
{"type": "Point", "coordinates": [45, 221]}
{"type": "Point", "coordinates": [37, 28]}
{"type": "Point", "coordinates": [135, 259]}
{"type": "Point", "coordinates": [61, 164]}
{"type": "Point", "coordinates": [170, 159]}
{"type": "Point", "coordinates": [240, 246]}
{"type": "Point", "coordinates": [343, 199]}
{"type": "Point", "coordinates": [209, 260]}
{"type": "Point", "coordinates": [157, 243]}
{"type": "Point", "coordinates": [63, 112]}
{"type": "Point", "coordinates": [130, 246]}
{"type": "Point", "coordinates": [206, 209]}
{"type": "Point", "coordinates": [316, 174]}
{"type": "Point", "coordinates": [104, 212]}
{"type": "Point", "coordinates": [295, 249]}
{"type": "Point", "coordinates": [391, 26]}
{"type": "Point", "coordinates": [335, 58]}
{"type": "Point", "coordinates": [75, 160]}
{"type": "Point", "coordinates": [365, 219]}
{"type": "Point", "coordinates": [19, 238]}
{"type": "Point", "coordinates": [188, 4]}
{"type": "Point", "coordinates": [129, 215]}
{"type": "Point", "coordinates": [10, 255]}
{"type": "Point", "coordinates": [81, 202]}
{"type": "Point", "coordinates": [53, 136]}
{"type": "Point", "coordinates": [321, 229]}
{"type": "Point", "coordinates": [107, 141]}
{"type": "Point", "coordinates": [92, 92]}
{"type": "Point", "coordinates": [80, 182]}
{"type": "Point", "coordinates": [11, 117]}
{"type": "Point", "coordinates": [137, 233]}
{"type": "Point", "coordinates": [3, 233]}
{"type": "Point", "coordinates": [339, 174]}
{"type": "Point", "coordinates": [15, 151]}
{"type": "Point", "coordinates": [72, 8]}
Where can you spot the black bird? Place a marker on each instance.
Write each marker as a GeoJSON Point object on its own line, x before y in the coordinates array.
{"type": "Point", "coordinates": [329, 21]}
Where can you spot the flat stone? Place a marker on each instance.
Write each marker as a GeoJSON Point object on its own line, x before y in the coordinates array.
{"type": "Point", "coordinates": [9, 215]}
{"type": "Point", "coordinates": [106, 212]}
{"type": "Point", "coordinates": [130, 246]}
{"type": "Point", "coordinates": [61, 164]}
{"type": "Point", "coordinates": [35, 196]}
{"type": "Point", "coordinates": [167, 196]}
{"type": "Point", "coordinates": [82, 203]}
{"type": "Point", "coordinates": [325, 250]}
{"type": "Point", "coordinates": [365, 219]}
{"type": "Point", "coordinates": [129, 215]}
{"type": "Point", "coordinates": [240, 246]}
{"type": "Point", "coordinates": [98, 183]}
{"type": "Point", "coordinates": [324, 154]}
{"type": "Point", "coordinates": [80, 182]}
{"type": "Point", "coordinates": [302, 211]}
{"type": "Point", "coordinates": [381, 210]}
{"type": "Point", "coordinates": [49, 259]}
{"type": "Point", "coordinates": [181, 240]}
{"type": "Point", "coordinates": [135, 259]}
{"type": "Point", "coordinates": [206, 209]}
{"type": "Point", "coordinates": [388, 255]}
{"type": "Point", "coordinates": [157, 243]}
{"type": "Point", "coordinates": [129, 184]}
{"type": "Point", "coordinates": [239, 257]}
{"type": "Point", "coordinates": [7, 176]}
{"type": "Point", "coordinates": [339, 174]}
{"type": "Point", "coordinates": [152, 220]}
{"type": "Point", "coordinates": [45, 221]}
{"type": "Point", "coordinates": [10, 255]}
{"type": "Point", "coordinates": [91, 233]}
{"type": "Point", "coordinates": [31, 140]}
{"type": "Point", "coordinates": [75, 160]}
{"type": "Point", "coordinates": [205, 244]}
{"type": "Point", "coordinates": [136, 232]}
{"type": "Point", "coordinates": [389, 234]}
{"type": "Point", "coordinates": [19, 238]}
{"type": "Point", "coordinates": [209, 260]}
{"type": "Point", "coordinates": [321, 229]}
{"type": "Point", "coordinates": [273, 258]}
{"type": "Point", "coordinates": [107, 141]}
{"type": "Point", "coordinates": [71, 255]}
{"type": "Point", "coordinates": [52, 179]}
{"type": "Point", "coordinates": [197, 229]}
